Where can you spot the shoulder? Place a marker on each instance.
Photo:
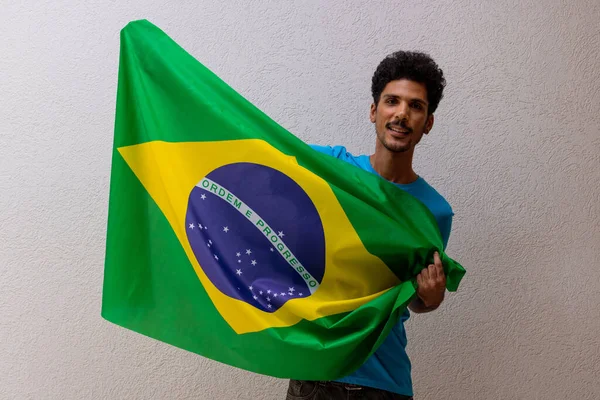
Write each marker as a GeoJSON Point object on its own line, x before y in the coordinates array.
{"type": "Point", "coordinates": [435, 199]}
{"type": "Point", "coordinates": [439, 207]}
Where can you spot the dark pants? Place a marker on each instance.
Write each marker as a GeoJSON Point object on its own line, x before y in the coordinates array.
{"type": "Point", "coordinates": [312, 390]}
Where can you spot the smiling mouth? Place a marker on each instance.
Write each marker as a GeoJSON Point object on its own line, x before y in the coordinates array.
{"type": "Point", "coordinates": [398, 131]}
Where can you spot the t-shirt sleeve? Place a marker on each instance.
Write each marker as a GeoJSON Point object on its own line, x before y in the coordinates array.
{"type": "Point", "coordinates": [445, 225]}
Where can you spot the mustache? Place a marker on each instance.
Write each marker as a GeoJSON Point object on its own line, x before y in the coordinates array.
{"type": "Point", "coordinates": [400, 125]}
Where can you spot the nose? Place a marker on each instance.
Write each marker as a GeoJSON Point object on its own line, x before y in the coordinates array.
{"type": "Point", "coordinates": [401, 112]}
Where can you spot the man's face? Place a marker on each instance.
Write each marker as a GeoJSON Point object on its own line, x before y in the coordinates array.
{"type": "Point", "coordinates": [401, 117]}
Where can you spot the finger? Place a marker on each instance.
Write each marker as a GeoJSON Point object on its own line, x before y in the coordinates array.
{"type": "Point", "coordinates": [419, 280]}
{"type": "Point", "coordinates": [436, 259]}
{"type": "Point", "coordinates": [425, 274]}
{"type": "Point", "coordinates": [433, 272]}
{"type": "Point", "coordinates": [438, 263]}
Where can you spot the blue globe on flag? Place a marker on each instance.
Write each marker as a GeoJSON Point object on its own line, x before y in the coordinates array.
{"type": "Point", "coordinates": [256, 235]}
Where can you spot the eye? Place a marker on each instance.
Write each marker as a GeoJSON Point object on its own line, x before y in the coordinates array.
{"type": "Point", "coordinates": [417, 106]}
{"type": "Point", "coordinates": [391, 101]}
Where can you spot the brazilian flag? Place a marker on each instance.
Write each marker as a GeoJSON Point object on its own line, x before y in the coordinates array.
{"type": "Point", "coordinates": [231, 238]}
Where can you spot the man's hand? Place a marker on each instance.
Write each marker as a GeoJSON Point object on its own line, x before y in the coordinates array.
{"type": "Point", "coordinates": [431, 287]}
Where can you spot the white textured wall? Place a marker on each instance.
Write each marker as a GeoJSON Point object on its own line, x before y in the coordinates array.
{"type": "Point", "coordinates": [516, 150]}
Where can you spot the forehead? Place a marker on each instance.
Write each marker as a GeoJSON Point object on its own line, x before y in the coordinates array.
{"type": "Point", "coordinates": [405, 88]}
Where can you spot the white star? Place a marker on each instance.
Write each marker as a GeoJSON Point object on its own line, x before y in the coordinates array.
{"type": "Point", "coordinates": [268, 299]}
{"type": "Point", "coordinates": [200, 226]}
{"type": "Point", "coordinates": [239, 261]}
{"type": "Point", "coordinates": [238, 254]}
{"type": "Point", "coordinates": [282, 294]}
{"type": "Point", "coordinates": [269, 291]}
{"type": "Point", "coordinates": [255, 298]}
{"type": "Point", "coordinates": [280, 234]}
{"type": "Point", "coordinates": [238, 271]}
{"type": "Point", "coordinates": [291, 289]}
{"type": "Point", "coordinates": [191, 226]}
{"type": "Point", "coordinates": [208, 244]}
{"type": "Point", "coordinates": [248, 251]}
{"type": "Point", "coordinates": [261, 292]}
{"type": "Point", "coordinates": [275, 295]}
{"type": "Point", "coordinates": [216, 258]}
{"type": "Point", "coordinates": [272, 249]}
{"type": "Point", "coordinates": [203, 196]}
{"type": "Point", "coordinates": [225, 229]}
{"type": "Point", "coordinates": [300, 294]}
{"type": "Point", "coordinates": [250, 287]}
{"type": "Point", "coordinates": [253, 262]}
{"type": "Point", "coordinates": [268, 306]}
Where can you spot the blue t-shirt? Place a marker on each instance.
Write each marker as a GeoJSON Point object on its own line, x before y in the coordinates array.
{"type": "Point", "coordinates": [389, 367]}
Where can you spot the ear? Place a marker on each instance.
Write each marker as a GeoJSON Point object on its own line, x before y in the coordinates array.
{"type": "Point", "coordinates": [428, 124]}
{"type": "Point", "coordinates": [373, 112]}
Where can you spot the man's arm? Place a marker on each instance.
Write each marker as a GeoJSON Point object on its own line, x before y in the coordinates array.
{"type": "Point", "coordinates": [431, 287]}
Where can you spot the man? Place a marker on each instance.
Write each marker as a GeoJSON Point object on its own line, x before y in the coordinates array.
{"type": "Point", "coordinates": [407, 88]}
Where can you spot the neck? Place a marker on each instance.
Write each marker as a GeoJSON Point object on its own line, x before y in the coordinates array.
{"type": "Point", "coordinates": [394, 167]}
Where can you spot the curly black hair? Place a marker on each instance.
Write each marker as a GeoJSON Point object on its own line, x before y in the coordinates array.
{"type": "Point", "coordinates": [415, 66]}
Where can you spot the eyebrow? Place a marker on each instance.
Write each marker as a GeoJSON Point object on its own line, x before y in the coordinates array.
{"type": "Point", "coordinates": [395, 96]}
